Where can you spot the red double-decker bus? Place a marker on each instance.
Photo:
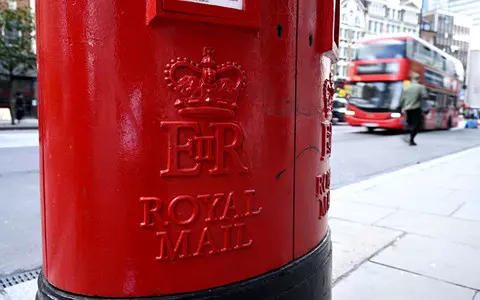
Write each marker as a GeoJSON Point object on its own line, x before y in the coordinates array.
{"type": "Point", "coordinates": [381, 69]}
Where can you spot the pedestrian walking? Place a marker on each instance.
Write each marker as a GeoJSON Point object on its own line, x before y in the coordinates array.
{"type": "Point", "coordinates": [475, 114]}
{"type": "Point", "coordinates": [19, 106]}
{"type": "Point", "coordinates": [411, 102]}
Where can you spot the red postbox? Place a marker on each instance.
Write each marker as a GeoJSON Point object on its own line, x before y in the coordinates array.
{"type": "Point", "coordinates": [185, 148]}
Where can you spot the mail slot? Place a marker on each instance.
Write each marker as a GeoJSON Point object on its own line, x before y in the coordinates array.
{"type": "Point", "coordinates": [240, 13]}
{"type": "Point", "coordinates": [185, 148]}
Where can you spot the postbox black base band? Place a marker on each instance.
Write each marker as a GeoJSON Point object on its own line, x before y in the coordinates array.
{"type": "Point", "coordinates": [307, 278]}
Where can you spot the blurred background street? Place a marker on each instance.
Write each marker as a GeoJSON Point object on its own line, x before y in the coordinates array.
{"type": "Point", "coordinates": [358, 155]}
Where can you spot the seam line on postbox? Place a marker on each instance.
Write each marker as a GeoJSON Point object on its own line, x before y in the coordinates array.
{"type": "Point", "coordinates": [295, 130]}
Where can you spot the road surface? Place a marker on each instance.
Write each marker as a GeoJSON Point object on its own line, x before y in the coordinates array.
{"type": "Point", "coordinates": [358, 155]}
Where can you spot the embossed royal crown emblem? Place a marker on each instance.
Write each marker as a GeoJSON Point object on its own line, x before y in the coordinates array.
{"type": "Point", "coordinates": [205, 89]}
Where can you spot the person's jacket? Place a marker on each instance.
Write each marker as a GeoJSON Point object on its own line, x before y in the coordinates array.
{"type": "Point", "coordinates": [412, 96]}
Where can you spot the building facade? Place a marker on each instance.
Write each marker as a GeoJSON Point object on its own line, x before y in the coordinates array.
{"type": "Point", "coordinates": [427, 31]}
{"type": "Point", "coordinates": [23, 82]}
{"type": "Point", "coordinates": [387, 16]}
{"type": "Point", "coordinates": [430, 5]}
{"type": "Point", "coordinates": [470, 8]}
{"type": "Point", "coordinates": [34, 43]}
{"type": "Point", "coordinates": [14, 4]}
{"type": "Point", "coordinates": [451, 32]}
{"type": "Point", "coordinates": [352, 28]}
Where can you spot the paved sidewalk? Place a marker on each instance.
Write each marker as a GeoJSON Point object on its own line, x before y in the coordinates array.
{"type": "Point", "coordinates": [24, 124]}
{"type": "Point", "coordinates": [22, 291]}
{"type": "Point", "coordinates": [412, 234]}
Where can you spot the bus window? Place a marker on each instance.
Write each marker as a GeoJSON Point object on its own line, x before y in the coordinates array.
{"type": "Point", "coordinates": [438, 61]}
{"type": "Point", "coordinates": [450, 67]}
{"type": "Point", "coordinates": [411, 44]}
{"type": "Point", "coordinates": [430, 102]}
{"type": "Point", "coordinates": [452, 101]}
{"type": "Point", "coordinates": [424, 54]}
{"type": "Point", "coordinates": [441, 101]}
{"type": "Point", "coordinates": [381, 49]}
{"type": "Point", "coordinates": [376, 96]}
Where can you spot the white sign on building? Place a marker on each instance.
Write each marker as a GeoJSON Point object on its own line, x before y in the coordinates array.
{"type": "Point", "coordinates": [235, 4]}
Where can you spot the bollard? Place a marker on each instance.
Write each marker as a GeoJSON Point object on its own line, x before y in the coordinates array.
{"type": "Point", "coordinates": [185, 148]}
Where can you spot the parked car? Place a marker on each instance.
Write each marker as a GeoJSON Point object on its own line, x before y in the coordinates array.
{"type": "Point", "coordinates": [339, 109]}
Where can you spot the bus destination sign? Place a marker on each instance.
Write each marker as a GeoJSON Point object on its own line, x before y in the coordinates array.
{"type": "Point", "coordinates": [378, 68]}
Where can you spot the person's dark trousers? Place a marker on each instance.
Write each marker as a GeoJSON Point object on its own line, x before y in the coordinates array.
{"type": "Point", "coordinates": [414, 117]}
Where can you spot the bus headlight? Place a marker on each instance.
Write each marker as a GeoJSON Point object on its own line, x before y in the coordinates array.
{"type": "Point", "coordinates": [395, 115]}
{"type": "Point", "coordinates": [350, 113]}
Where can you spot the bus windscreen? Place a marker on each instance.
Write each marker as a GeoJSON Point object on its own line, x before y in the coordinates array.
{"type": "Point", "coordinates": [379, 50]}
{"type": "Point", "coordinates": [376, 96]}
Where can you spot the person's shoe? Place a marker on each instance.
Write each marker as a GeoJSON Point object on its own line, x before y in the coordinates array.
{"type": "Point", "coordinates": [412, 143]}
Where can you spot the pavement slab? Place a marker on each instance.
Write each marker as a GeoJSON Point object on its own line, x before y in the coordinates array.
{"type": "Point", "coordinates": [400, 196]}
{"type": "Point", "coordinates": [446, 228]}
{"type": "Point", "coordinates": [435, 206]}
{"type": "Point", "coordinates": [372, 281]}
{"type": "Point", "coordinates": [469, 211]}
{"type": "Point", "coordinates": [22, 291]}
{"type": "Point", "coordinates": [354, 243]}
{"type": "Point", "coordinates": [20, 227]}
{"type": "Point", "coordinates": [358, 212]}
{"type": "Point", "coordinates": [446, 261]}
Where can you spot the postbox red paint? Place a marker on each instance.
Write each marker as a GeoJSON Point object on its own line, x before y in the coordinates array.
{"type": "Point", "coordinates": [185, 148]}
